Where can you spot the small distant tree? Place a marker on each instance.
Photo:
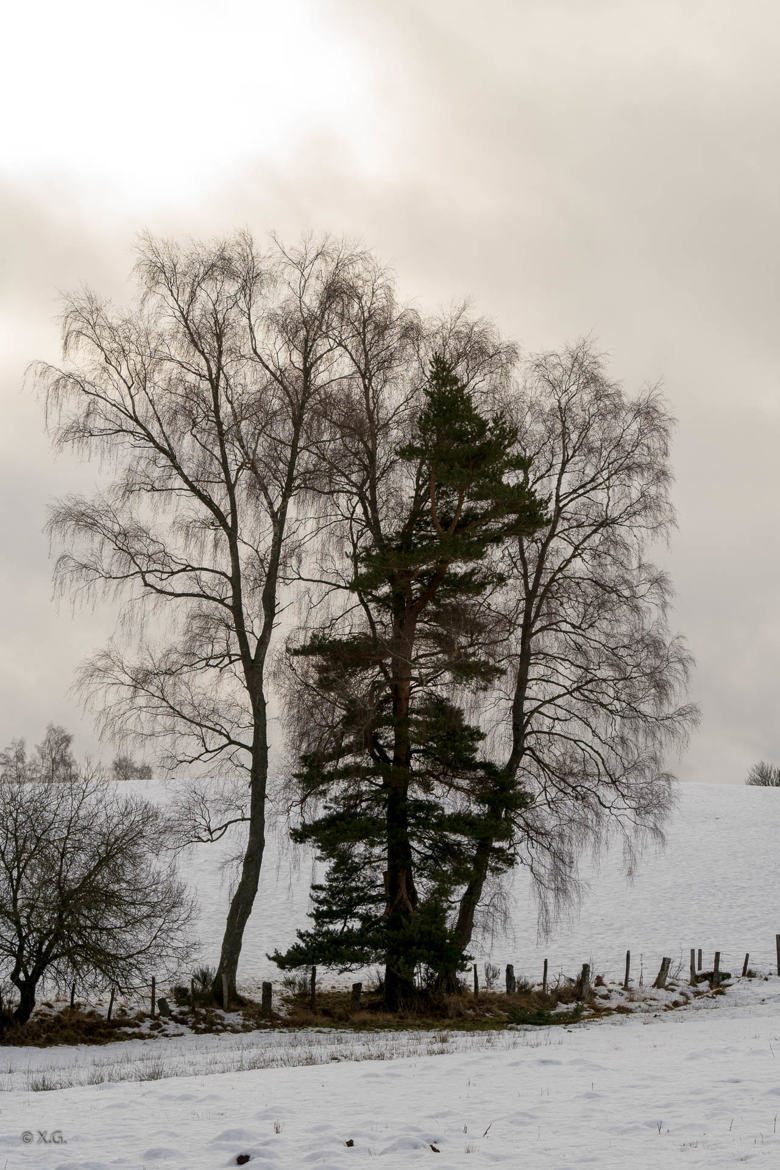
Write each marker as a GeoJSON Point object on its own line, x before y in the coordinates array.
{"type": "Point", "coordinates": [764, 775]}
{"type": "Point", "coordinates": [126, 768]}
{"type": "Point", "coordinates": [84, 897]}
{"type": "Point", "coordinates": [51, 761]}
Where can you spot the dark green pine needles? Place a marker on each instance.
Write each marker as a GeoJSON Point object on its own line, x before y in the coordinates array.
{"type": "Point", "coordinates": [403, 795]}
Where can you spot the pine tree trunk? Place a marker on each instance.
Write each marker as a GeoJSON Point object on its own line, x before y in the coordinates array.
{"type": "Point", "coordinates": [401, 893]}
{"type": "Point", "coordinates": [401, 897]}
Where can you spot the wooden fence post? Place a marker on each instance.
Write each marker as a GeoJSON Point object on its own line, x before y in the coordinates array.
{"type": "Point", "coordinates": [544, 978]}
{"type": "Point", "coordinates": [716, 971]}
{"type": "Point", "coordinates": [312, 987]}
{"type": "Point", "coordinates": [745, 964]}
{"type": "Point", "coordinates": [511, 982]}
{"type": "Point", "coordinates": [266, 1000]}
{"type": "Point", "coordinates": [628, 970]}
{"type": "Point", "coordinates": [110, 1005]}
{"type": "Point", "coordinates": [476, 982]}
{"type": "Point", "coordinates": [663, 974]}
{"type": "Point", "coordinates": [583, 983]}
{"type": "Point", "coordinates": [357, 991]}
{"type": "Point", "coordinates": [154, 995]}
{"type": "Point", "coordinates": [694, 980]}
{"type": "Point", "coordinates": [698, 960]}
{"type": "Point", "coordinates": [73, 995]}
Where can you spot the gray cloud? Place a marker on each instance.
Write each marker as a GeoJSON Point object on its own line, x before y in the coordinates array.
{"type": "Point", "coordinates": [608, 168]}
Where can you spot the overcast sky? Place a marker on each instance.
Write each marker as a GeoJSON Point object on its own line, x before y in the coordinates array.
{"type": "Point", "coordinates": [601, 167]}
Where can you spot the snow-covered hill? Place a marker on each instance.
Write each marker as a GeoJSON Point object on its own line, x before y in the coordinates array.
{"type": "Point", "coordinates": [713, 886]}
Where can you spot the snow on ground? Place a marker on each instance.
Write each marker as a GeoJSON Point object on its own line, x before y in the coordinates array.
{"type": "Point", "coordinates": [697, 1087]}
{"type": "Point", "coordinates": [48, 1069]}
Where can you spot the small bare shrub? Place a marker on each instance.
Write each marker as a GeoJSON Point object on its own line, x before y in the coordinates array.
{"type": "Point", "coordinates": [154, 1071]}
{"type": "Point", "coordinates": [203, 986]}
{"type": "Point", "coordinates": [297, 983]}
{"type": "Point", "coordinates": [764, 775]}
{"type": "Point", "coordinates": [492, 974]}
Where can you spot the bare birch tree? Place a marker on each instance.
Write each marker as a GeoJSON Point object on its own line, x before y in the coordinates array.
{"type": "Point", "coordinates": [203, 399]}
{"type": "Point", "coordinates": [593, 694]}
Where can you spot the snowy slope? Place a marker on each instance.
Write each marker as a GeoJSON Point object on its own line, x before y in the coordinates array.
{"type": "Point", "coordinates": [713, 886]}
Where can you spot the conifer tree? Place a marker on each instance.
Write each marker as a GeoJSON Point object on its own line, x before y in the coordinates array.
{"type": "Point", "coordinates": [402, 787]}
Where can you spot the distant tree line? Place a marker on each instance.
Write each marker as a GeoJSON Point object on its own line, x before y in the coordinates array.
{"type": "Point", "coordinates": [475, 661]}
{"type": "Point", "coordinates": [52, 760]}
{"type": "Point", "coordinates": [125, 767]}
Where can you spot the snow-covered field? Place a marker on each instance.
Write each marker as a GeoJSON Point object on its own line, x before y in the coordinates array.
{"type": "Point", "coordinates": [696, 1087]}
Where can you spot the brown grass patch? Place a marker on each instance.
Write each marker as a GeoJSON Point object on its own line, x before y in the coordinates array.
{"type": "Point", "coordinates": [70, 1026]}
{"type": "Point", "coordinates": [463, 1011]}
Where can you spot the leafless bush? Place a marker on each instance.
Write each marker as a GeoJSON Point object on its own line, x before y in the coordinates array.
{"type": "Point", "coordinates": [492, 973]}
{"type": "Point", "coordinates": [764, 775]}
